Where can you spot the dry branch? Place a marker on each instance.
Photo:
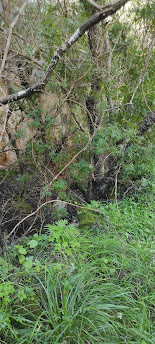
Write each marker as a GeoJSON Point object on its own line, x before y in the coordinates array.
{"type": "Point", "coordinates": [50, 202]}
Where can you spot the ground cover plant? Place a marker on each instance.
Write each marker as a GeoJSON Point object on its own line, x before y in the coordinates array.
{"type": "Point", "coordinates": [72, 284]}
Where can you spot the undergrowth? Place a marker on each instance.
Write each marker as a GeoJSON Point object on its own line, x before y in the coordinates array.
{"type": "Point", "coordinates": [86, 283]}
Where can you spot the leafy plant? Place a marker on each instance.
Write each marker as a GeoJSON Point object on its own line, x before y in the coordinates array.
{"type": "Point", "coordinates": [64, 237]}
{"type": "Point", "coordinates": [91, 283]}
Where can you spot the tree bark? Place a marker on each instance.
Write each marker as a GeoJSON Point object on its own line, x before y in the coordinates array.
{"type": "Point", "coordinates": [91, 102]}
{"type": "Point", "coordinates": [147, 123]}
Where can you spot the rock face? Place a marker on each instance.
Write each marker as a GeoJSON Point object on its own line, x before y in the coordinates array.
{"type": "Point", "coordinates": [7, 153]}
{"type": "Point", "coordinates": [11, 123]}
{"type": "Point", "coordinates": [16, 128]}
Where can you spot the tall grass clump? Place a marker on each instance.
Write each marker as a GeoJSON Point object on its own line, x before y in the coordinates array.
{"type": "Point", "coordinates": [82, 285]}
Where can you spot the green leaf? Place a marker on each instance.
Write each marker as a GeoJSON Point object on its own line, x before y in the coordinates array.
{"type": "Point", "coordinates": [33, 243]}
{"type": "Point", "coordinates": [21, 249]}
{"type": "Point", "coordinates": [28, 263]}
{"type": "Point", "coordinates": [21, 258]}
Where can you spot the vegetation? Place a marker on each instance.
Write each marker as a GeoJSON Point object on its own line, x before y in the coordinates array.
{"type": "Point", "coordinates": [69, 285]}
{"type": "Point", "coordinates": [77, 172]}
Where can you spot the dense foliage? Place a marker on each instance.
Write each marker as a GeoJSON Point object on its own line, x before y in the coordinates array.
{"type": "Point", "coordinates": [104, 83]}
{"type": "Point", "coordinates": [91, 283]}
{"type": "Point", "coordinates": [76, 174]}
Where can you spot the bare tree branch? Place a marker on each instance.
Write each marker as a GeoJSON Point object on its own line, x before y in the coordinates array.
{"type": "Point", "coordinates": [10, 35]}
{"type": "Point", "coordinates": [50, 202]}
{"type": "Point", "coordinates": [107, 10]}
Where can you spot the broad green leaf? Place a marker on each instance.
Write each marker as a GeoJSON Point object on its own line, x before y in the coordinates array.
{"type": "Point", "coordinates": [21, 249]}
{"type": "Point", "coordinates": [33, 243]}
